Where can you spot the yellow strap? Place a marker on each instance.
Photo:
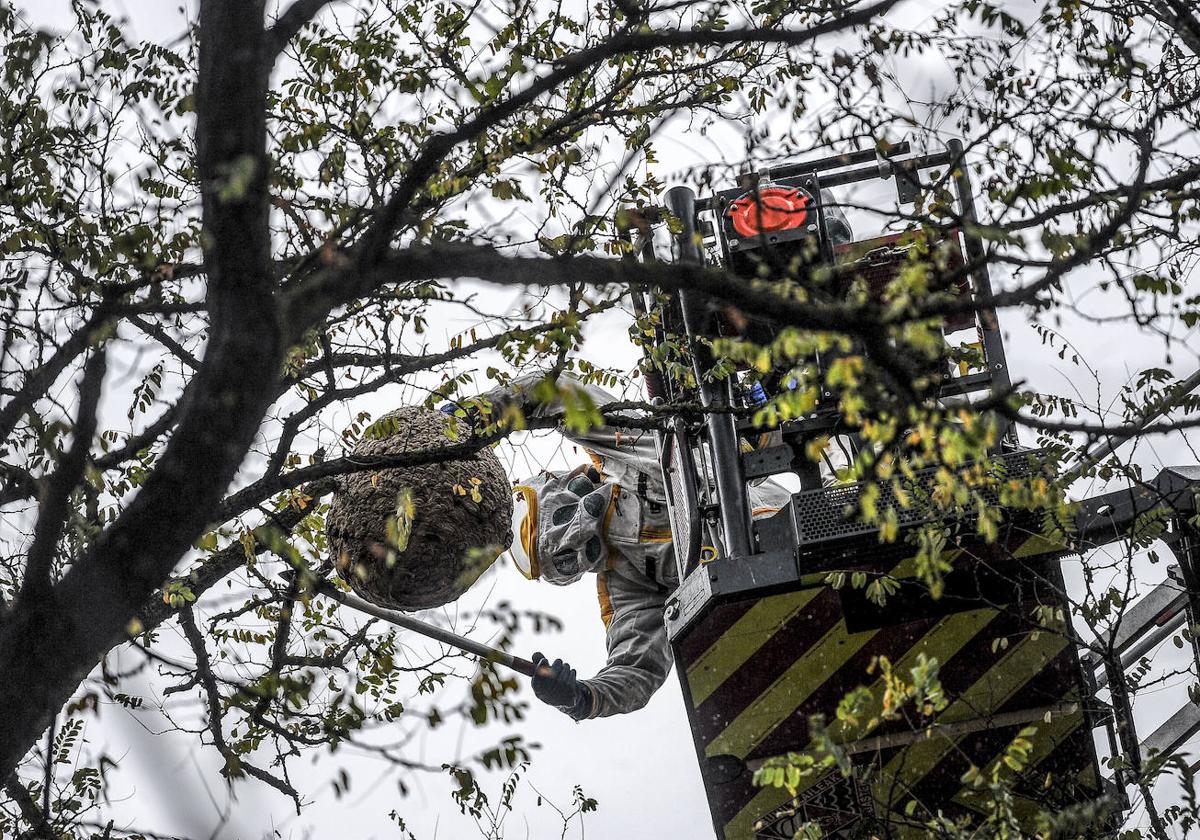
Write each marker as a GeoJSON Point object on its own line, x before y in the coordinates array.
{"type": "Point", "coordinates": [606, 607]}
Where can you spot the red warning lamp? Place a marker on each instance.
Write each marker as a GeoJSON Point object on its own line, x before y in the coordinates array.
{"type": "Point", "coordinates": [768, 210]}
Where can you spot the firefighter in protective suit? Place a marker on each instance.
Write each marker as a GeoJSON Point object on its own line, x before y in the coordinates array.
{"type": "Point", "coordinates": [608, 517]}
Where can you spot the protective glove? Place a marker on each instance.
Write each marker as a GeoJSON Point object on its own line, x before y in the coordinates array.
{"type": "Point", "coordinates": [560, 688]}
{"type": "Point", "coordinates": [465, 410]}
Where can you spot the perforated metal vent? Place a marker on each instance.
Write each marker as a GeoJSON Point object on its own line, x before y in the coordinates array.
{"type": "Point", "coordinates": [833, 513]}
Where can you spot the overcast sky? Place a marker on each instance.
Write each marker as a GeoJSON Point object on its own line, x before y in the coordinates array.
{"type": "Point", "coordinates": [641, 767]}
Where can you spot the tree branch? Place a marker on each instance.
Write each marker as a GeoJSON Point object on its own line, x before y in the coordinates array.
{"type": "Point", "coordinates": [18, 484]}
{"type": "Point", "coordinates": [268, 486]}
{"type": "Point", "coordinates": [288, 25]}
{"type": "Point", "coordinates": [55, 507]}
{"type": "Point", "coordinates": [47, 649]}
{"type": "Point", "coordinates": [327, 289]}
{"type": "Point", "coordinates": [234, 764]}
{"type": "Point", "coordinates": [154, 612]}
{"type": "Point", "coordinates": [160, 335]}
{"type": "Point", "coordinates": [33, 815]}
{"type": "Point", "coordinates": [403, 366]}
{"type": "Point", "coordinates": [136, 443]}
{"type": "Point", "coordinates": [39, 380]}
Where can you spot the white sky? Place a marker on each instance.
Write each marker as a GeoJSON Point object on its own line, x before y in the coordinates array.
{"type": "Point", "coordinates": [641, 767]}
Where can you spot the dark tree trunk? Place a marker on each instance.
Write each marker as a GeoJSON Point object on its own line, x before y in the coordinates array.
{"type": "Point", "coordinates": [50, 643]}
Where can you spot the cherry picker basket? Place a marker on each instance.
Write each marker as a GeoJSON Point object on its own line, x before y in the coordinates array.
{"type": "Point", "coordinates": [792, 613]}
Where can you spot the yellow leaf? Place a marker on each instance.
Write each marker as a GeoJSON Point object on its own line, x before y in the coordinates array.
{"type": "Point", "coordinates": [406, 511]}
{"type": "Point", "coordinates": [208, 542]}
{"type": "Point", "coordinates": [247, 541]}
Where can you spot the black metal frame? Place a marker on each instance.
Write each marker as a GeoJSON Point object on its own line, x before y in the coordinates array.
{"type": "Point", "coordinates": [720, 430]}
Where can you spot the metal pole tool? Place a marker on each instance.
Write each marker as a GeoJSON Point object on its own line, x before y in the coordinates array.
{"type": "Point", "coordinates": [486, 652]}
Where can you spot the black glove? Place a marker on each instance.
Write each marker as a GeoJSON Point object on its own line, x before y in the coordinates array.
{"type": "Point", "coordinates": [560, 688]}
{"type": "Point", "coordinates": [467, 411]}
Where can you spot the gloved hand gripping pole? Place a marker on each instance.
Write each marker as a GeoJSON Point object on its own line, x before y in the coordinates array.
{"type": "Point", "coordinates": [486, 652]}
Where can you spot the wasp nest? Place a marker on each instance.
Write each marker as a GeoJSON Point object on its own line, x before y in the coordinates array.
{"type": "Point", "coordinates": [416, 537]}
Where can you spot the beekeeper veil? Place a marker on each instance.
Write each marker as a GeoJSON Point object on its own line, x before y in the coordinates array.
{"type": "Point", "coordinates": [560, 522]}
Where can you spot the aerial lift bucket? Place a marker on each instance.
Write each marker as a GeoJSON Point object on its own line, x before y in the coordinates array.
{"type": "Point", "coordinates": [770, 635]}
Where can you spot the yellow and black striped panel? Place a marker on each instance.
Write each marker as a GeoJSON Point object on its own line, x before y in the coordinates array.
{"type": "Point", "coordinates": [756, 671]}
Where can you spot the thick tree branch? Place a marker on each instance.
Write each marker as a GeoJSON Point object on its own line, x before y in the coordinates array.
{"type": "Point", "coordinates": [17, 484]}
{"type": "Point", "coordinates": [402, 366]}
{"type": "Point", "coordinates": [288, 25]}
{"type": "Point", "coordinates": [48, 648]}
{"type": "Point", "coordinates": [326, 290]}
{"type": "Point", "coordinates": [136, 443]}
{"type": "Point", "coordinates": [457, 260]}
{"type": "Point", "coordinates": [33, 815]}
{"type": "Point", "coordinates": [231, 558]}
{"type": "Point", "coordinates": [268, 486]}
{"type": "Point", "coordinates": [55, 507]}
{"type": "Point", "coordinates": [485, 263]}
{"type": "Point", "coordinates": [37, 381]}
{"type": "Point", "coordinates": [1179, 18]}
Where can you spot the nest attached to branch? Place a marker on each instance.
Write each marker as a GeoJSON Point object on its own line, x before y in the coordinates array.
{"type": "Point", "coordinates": [412, 538]}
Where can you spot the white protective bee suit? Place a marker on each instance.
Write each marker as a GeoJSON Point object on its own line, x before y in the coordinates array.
{"type": "Point", "coordinates": [614, 523]}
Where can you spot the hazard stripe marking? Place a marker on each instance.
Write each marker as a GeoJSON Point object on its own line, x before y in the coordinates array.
{"type": "Point", "coordinates": [957, 671]}
{"type": "Point", "coordinates": [788, 691]}
{"type": "Point", "coordinates": [1023, 662]}
{"type": "Point", "coordinates": [709, 631]}
{"type": "Point", "coordinates": [756, 670]}
{"type": "Point", "coordinates": [793, 733]}
{"type": "Point", "coordinates": [989, 743]}
{"type": "Point", "coordinates": [1045, 688]}
{"type": "Point", "coordinates": [947, 636]}
{"type": "Point", "coordinates": [743, 663]}
{"type": "Point", "coordinates": [742, 639]}
{"type": "Point", "coordinates": [801, 634]}
{"type": "Point", "coordinates": [1045, 742]}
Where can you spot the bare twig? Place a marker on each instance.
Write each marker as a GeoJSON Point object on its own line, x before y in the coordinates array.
{"type": "Point", "coordinates": [234, 765]}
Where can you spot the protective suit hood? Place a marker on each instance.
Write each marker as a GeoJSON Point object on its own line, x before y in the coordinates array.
{"type": "Point", "coordinates": [559, 525]}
